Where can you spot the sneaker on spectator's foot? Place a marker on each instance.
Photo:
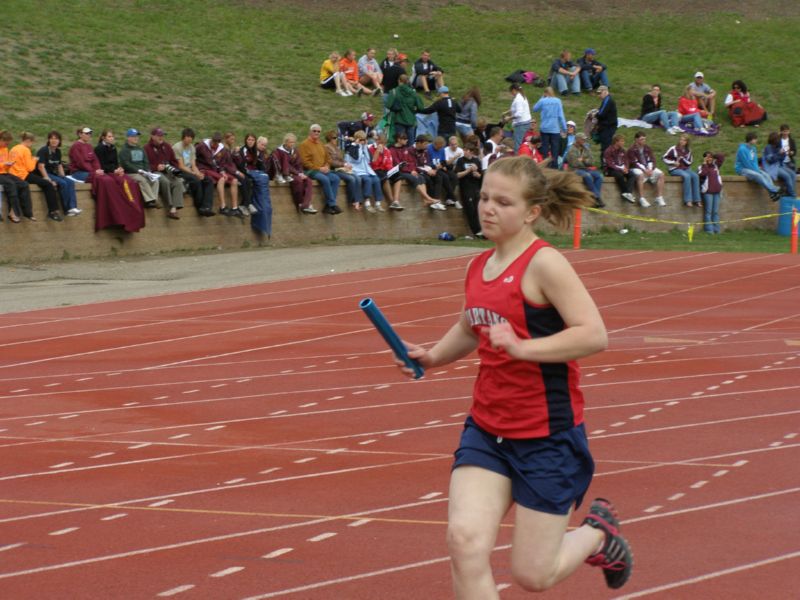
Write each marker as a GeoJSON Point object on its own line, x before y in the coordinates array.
{"type": "Point", "coordinates": [629, 197]}
{"type": "Point", "coordinates": [396, 205]}
{"type": "Point", "coordinates": [437, 206]}
{"type": "Point", "coordinates": [310, 210]}
{"type": "Point", "coordinates": [643, 202]}
{"type": "Point", "coordinates": [458, 205]}
{"type": "Point", "coordinates": [379, 207]}
{"type": "Point", "coordinates": [224, 210]}
{"type": "Point", "coordinates": [289, 179]}
{"type": "Point", "coordinates": [369, 207]}
{"type": "Point", "coordinates": [239, 211]}
{"type": "Point", "coordinates": [341, 92]}
{"type": "Point", "coordinates": [279, 178]}
{"type": "Point", "coordinates": [73, 212]}
{"type": "Point", "coordinates": [54, 216]}
{"type": "Point", "coordinates": [615, 556]}
{"type": "Point", "coordinates": [774, 196]}
{"type": "Point", "coordinates": [449, 202]}
{"type": "Point", "coordinates": [660, 201]}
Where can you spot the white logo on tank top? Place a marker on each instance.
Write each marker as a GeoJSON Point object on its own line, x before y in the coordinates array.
{"type": "Point", "coordinates": [508, 279]}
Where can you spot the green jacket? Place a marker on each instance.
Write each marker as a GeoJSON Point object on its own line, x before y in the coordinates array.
{"type": "Point", "coordinates": [133, 159]}
{"type": "Point", "coordinates": [404, 103]}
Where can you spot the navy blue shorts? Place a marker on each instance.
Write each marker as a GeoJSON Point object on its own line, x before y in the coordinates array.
{"type": "Point", "coordinates": [547, 474]}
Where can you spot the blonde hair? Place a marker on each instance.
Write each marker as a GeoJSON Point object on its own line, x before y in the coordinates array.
{"type": "Point", "coordinates": [27, 135]}
{"type": "Point", "coordinates": [559, 193]}
{"type": "Point", "coordinates": [262, 140]}
{"type": "Point", "coordinates": [359, 135]}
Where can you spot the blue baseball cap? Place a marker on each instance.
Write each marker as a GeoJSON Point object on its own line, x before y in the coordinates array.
{"type": "Point", "coordinates": [589, 51]}
{"type": "Point", "coordinates": [132, 131]}
{"type": "Point", "coordinates": [443, 90]}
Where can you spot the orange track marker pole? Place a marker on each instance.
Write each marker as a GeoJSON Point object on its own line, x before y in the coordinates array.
{"type": "Point", "coordinates": [794, 231]}
{"type": "Point", "coordinates": [576, 230]}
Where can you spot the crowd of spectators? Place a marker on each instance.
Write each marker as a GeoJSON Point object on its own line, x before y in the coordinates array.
{"type": "Point", "coordinates": [440, 150]}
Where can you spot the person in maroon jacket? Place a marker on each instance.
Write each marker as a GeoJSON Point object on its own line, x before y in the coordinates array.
{"type": "Point", "coordinates": [163, 161]}
{"type": "Point", "coordinates": [285, 166]}
{"type": "Point", "coordinates": [642, 163]}
{"type": "Point", "coordinates": [405, 161]}
{"type": "Point", "coordinates": [711, 187]}
{"type": "Point", "coordinates": [616, 163]}
{"type": "Point", "coordinates": [211, 162]}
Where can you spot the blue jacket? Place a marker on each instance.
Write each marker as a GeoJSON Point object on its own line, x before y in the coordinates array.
{"type": "Point", "coordinates": [552, 110]}
{"type": "Point", "coordinates": [746, 158]}
{"type": "Point", "coordinates": [772, 160]}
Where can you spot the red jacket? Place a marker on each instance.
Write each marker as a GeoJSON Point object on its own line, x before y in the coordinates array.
{"type": "Point", "coordinates": [160, 154]}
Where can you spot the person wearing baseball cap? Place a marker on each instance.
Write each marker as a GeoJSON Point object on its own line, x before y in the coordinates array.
{"type": "Point", "coordinates": [705, 96]}
{"type": "Point", "coordinates": [163, 161]}
{"type": "Point", "coordinates": [446, 108]}
{"type": "Point", "coordinates": [347, 129]}
{"type": "Point", "coordinates": [582, 163]}
{"type": "Point", "coordinates": [593, 72]}
{"type": "Point", "coordinates": [134, 162]}
{"type": "Point", "coordinates": [427, 75]}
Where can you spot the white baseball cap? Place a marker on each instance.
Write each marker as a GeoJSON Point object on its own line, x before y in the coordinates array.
{"type": "Point", "coordinates": [699, 74]}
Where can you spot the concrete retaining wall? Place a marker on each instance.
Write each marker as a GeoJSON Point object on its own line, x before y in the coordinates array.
{"type": "Point", "coordinates": [45, 240]}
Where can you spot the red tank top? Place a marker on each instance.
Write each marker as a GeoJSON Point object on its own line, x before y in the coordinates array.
{"type": "Point", "coordinates": [514, 398]}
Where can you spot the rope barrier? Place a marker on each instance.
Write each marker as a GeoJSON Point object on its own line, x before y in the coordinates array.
{"type": "Point", "coordinates": [690, 225]}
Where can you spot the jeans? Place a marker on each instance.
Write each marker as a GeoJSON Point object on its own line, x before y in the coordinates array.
{"type": "Point", "coordinates": [711, 216]}
{"type": "Point", "coordinates": [80, 175]}
{"type": "Point", "coordinates": [563, 83]}
{"type": "Point", "coordinates": [409, 130]}
{"type": "Point", "coordinates": [789, 178]}
{"type": "Point", "coordinates": [260, 188]}
{"type": "Point", "coordinates": [464, 129]}
{"type": "Point", "coordinates": [694, 119]}
{"type": "Point", "coordinates": [691, 184]}
{"type": "Point", "coordinates": [551, 146]}
{"type": "Point", "coordinates": [66, 188]}
{"type": "Point", "coordinates": [352, 186]}
{"type": "Point", "coordinates": [590, 80]}
{"type": "Point", "coordinates": [593, 180]}
{"type": "Point", "coordinates": [371, 187]}
{"type": "Point", "coordinates": [761, 178]}
{"type": "Point", "coordinates": [662, 117]}
{"type": "Point", "coordinates": [520, 129]}
{"type": "Point", "coordinates": [329, 182]}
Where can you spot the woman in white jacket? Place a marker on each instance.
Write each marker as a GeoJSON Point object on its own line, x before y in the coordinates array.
{"type": "Point", "coordinates": [520, 114]}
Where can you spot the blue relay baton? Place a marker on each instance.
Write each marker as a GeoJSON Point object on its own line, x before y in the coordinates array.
{"type": "Point", "coordinates": [385, 329]}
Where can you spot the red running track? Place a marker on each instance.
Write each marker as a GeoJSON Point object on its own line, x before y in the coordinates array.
{"type": "Point", "coordinates": [257, 442]}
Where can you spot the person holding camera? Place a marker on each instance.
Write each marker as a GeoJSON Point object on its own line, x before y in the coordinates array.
{"type": "Point", "coordinates": [163, 161]}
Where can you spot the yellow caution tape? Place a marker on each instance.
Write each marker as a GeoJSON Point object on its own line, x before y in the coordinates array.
{"type": "Point", "coordinates": [690, 225]}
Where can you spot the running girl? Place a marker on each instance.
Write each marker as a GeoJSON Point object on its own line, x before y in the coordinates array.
{"type": "Point", "coordinates": [530, 317]}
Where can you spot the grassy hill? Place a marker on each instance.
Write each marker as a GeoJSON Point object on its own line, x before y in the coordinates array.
{"type": "Point", "coordinates": [253, 65]}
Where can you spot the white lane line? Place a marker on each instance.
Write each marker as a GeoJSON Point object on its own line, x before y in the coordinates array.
{"type": "Point", "coordinates": [367, 442]}
{"type": "Point", "coordinates": [176, 590]}
{"type": "Point", "coordinates": [180, 436]}
{"type": "Point", "coordinates": [219, 385]}
{"type": "Point", "coordinates": [103, 455]}
{"type": "Point", "coordinates": [359, 392]}
{"type": "Point", "coordinates": [322, 536]}
{"type": "Point", "coordinates": [431, 495]}
{"type": "Point", "coordinates": [335, 398]}
{"type": "Point", "coordinates": [278, 412]}
{"type": "Point", "coordinates": [68, 417]}
{"type": "Point", "coordinates": [711, 575]}
{"type": "Point", "coordinates": [459, 367]}
{"type": "Point", "coordinates": [234, 481]}
{"type": "Point", "coordinates": [300, 461]}
{"type": "Point", "coordinates": [775, 444]}
{"type": "Point", "coordinates": [130, 404]}
{"type": "Point", "coordinates": [19, 390]}
{"type": "Point", "coordinates": [310, 367]}
{"type": "Point", "coordinates": [698, 485]}
{"type": "Point", "coordinates": [436, 422]}
{"type": "Point", "coordinates": [727, 382]}
{"type": "Point", "coordinates": [359, 523]}
{"type": "Point", "coordinates": [740, 377]}
{"type": "Point", "coordinates": [215, 427]}
{"type": "Point", "coordinates": [160, 397]}
{"type": "Point", "coordinates": [85, 379]}
{"type": "Point", "coordinates": [142, 445]}
{"type": "Point", "coordinates": [308, 405]}
{"type": "Point", "coordinates": [440, 372]}
{"type": "Point", "coordinates": [243, 380]}
{"type": "Point", "coordinates": [11, 546]}
{"type": "Point", "coordinates": [697, 393]}
{"type": "Point", "coordinates": [51, 384]}
{"type": "Point", "coordinates": [636, 417]}
{"type": "Point", "coordinates": [790, 436]}
{"type": "Point", "coordinates": [287, 371]}
{"type": "Point", "coordinates": [35, 423]}
{"type": "Point", "coordinates": [618, 424]}
{"type": "Point", "coordinates": [189, 391]}
{"type": "Point", "coordinates": [226, 572]}
{"type": "Point", "coordinates": [653, 509]}
{"type": "Point", "coordinates": [677, 496]}
{"type": "Point", "coordinates": [740, 463]}
{"type": "Point", "coordinates": [382, 387]}
{"type": "Point", "coordinates": [161, 503]}
{"type": "Point", "coordinates": [720, 473]}
{"type": "Point", "coordinates": [331, 362]}
{"type": "Point", "coordinates": [270, 470]}
{"type": "Point", "coordinates": [336, 451]}
{"type": "Point", "coordinates": [64, 531]}
{"type": "Point", "coordinates": [62, 465]}
{"type": "Point", "coordinates": [394, 433]}
{"type": "Point", "coordinates": [598, 431]}
{"type": "Point", "coordinates": [656, 409]}
{"type": "Point", "coordinates": [278, 552]}
{"type": "Point", "coordinates": [112, 374]}
{"type": "Point", "coordinates": [114, 517]}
